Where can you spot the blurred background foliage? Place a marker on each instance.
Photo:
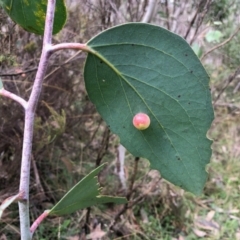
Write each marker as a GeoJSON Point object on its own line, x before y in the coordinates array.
{"type": "Point", "coordinates": [70, 138]}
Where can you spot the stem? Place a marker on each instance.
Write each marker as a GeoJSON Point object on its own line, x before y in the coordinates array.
{"type": "Point", "coordinates": [128, 196]}
{"type": "Point", "coordinates": [77, 46]}
{"type": "Point", "coordinates": [38, 221]}
{"type": "Point", "coordinates": [14, 97]}
{"type": "Point", "coordinates": [29, 123]}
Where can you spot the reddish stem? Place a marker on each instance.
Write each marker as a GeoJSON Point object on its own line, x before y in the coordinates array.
{"type": "Point", "coordinates": [77, 46]}
{"type": "Point", "coordinates": [38, 221]}
{"type": "Point", "coordinates": [14, 97]}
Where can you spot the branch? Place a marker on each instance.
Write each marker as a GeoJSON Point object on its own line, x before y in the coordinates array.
{"type": "Point", "coordinates": [29, 122]}
{"type": "Point", "coordinates": [167, 14]}
{"type": "Point", "coordinates": [221, 44]}
{"type": "Point", "coordinates": [14, 97]}
{"type": "Point", "coordinates": [193, 21]}
{"type": "Point", "coordinates": [130, 189]}
{"type": "Point", "coordinates": [149, 13]}
{"type": "Point", "coordinates": [200, 20]}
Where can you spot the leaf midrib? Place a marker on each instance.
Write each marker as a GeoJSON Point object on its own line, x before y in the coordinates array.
{"type": "Point", "coordinates": [101, 57]}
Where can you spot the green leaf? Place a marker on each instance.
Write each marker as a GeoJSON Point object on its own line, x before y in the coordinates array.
{"type": "Point", "coordinates": [30, 14]}
{"type": "Point", "coordinates": [213, 36]}
{"type": "Point", "coordinates": [139, 67]}
{"type": "Point", "coordinates": [84, 194]}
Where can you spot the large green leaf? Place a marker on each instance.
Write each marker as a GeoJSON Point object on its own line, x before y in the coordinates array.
{"type": "Point", "coordinates": [84, 194]}
{"type": "Point", "coordinates": [139, 67]}
{"type": "Point", "coordinates": [30, 14]}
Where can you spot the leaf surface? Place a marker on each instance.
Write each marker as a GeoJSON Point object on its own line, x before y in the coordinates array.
{"type": "Point", "coordinates": [84, 194]}
{"type": "Point", "coordinates": [30, 14]}
{"type": "Point", "coordinates": [140, 67]}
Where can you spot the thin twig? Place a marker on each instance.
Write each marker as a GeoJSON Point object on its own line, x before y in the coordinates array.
{"type": "Point", "coordinates": [87, 221]}
{"type": "Point", "coordinates": [221, 44]}
{"type": "Point", "coordinates": [200, 20]}
{"type": "Point", "coordinates": [167, 14]}
{"type": "Point", "coordinates": [129, 194]}
{"type": "Point", "coordinates": [59, 67]}
{"type": "Point", "coordinates": [18, 73]}
{"type": "Point", "coordinates": [228, 105]}
{"type": "Point", "coordinates": [36, 68]}
{"type": "Point", "coordinates": [131, 204]}
{"type": "Point", "coordinates": [229, 80]}
{"type": "Point", "coordinates": [37, 178]}
{"type": "Point", "coordinates": [192, 21]}
{"type": "Point", "coordinates": [104, 146]}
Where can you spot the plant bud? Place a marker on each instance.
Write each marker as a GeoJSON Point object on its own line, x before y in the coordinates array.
{"type": "Point", "coordinates": [141, 121]}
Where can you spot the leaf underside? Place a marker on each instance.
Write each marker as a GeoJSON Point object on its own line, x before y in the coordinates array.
{"type": "Point", "coordinates": [139, 67]}
{"type": "Point", "coordinates": [30, 14]}
{"type": "Point", "coordinates": [85, 193]}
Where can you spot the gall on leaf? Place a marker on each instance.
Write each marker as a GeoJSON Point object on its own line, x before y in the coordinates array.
{"type": "Point", "coordinates": [141, 121]}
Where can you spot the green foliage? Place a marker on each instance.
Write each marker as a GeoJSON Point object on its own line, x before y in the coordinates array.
{"type": "Point", "coordinates": [7, 59]}
{"type": "Point", "coordinates": [231, 49]}
{"type": "Point", "coordinates": [1, 84]}
{"type": "Point", "coordinates": [30, 14]}
{"type": "Point", "coordinates": [84, 194]}
{"type": "Point", "coordinates": [144, 68]}
{"type": "Point", "coordinates": [213, 36]}
{"type": "Point", "coordinates": [219, 10]}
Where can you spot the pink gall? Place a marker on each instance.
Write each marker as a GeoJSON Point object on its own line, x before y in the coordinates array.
{"type": "Point", "coordinates": [141, 121]}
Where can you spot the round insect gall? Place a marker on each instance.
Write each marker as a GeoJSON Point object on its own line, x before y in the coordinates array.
{"type": "Point", "coordinates": [141, 121]}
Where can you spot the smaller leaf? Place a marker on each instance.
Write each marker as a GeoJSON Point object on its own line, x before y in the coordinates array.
{"type": "Point", "coordinates": [30, 15]}
{"type": "Point", "coordinates": [84, 194]}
